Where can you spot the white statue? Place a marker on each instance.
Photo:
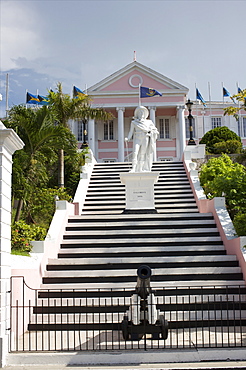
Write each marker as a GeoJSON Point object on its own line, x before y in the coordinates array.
{"type": "Point", "coordinates": [144, 135]}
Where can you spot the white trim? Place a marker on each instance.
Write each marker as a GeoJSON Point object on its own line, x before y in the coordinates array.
{"type": "Point", "coordinates": [111, 150]}
{"type": "Point", "coordinates": [140, 67]}
{"type": "Point", "coordinates": [133, 76]}
{"type": "Point", "coordinates": [165, 149]}
{"type": "Point", "coordinates": [133, 105]}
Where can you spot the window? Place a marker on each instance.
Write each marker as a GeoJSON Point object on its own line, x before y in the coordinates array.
{"type": "Point", "coordinates": [108, 130]}
{"type": "Point", "coordinates": [165, 159]}
{"type": "Point", "coordinates": [244, 127]}
{"type": "Point", "coordinates": [187, 127]}
{"type": "Point", "coordinates": [109, 160]}
{"type": "Point", "coordinates": [216, 122]}
{"type": "Point", "coordinates": [164, 128]}
{"type": "Point", "coordinates": [80, 131]}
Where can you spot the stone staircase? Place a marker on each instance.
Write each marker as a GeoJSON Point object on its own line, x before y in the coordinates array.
{"type": "Point", "coordinates": [88, 286]}
{"type": "Point", "coordinates": [106, 194]}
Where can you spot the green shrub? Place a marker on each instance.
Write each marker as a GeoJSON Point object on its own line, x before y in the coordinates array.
{"type": "Point", "coordinates": [228, 147]}
{"type": "Point", "coordinates": [221, 177]}
{"type": "Point", "coordinates": [41, 206]}
{"type": "Point", "coordinates": [213, 168]}
{"type": "Point", "coordinates": [22, 234]}
{"type": "Point", "coordinates": [240, 223]}
{"type": "Point", "coordinates": [221, 134]}
{"type": "Point", "coordinates": [241, 158]}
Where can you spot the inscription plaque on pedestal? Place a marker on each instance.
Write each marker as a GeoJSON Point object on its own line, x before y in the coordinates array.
{"type": "Point", "coordinates": [139, 191]}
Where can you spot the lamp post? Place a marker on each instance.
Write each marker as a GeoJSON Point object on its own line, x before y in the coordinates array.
{"type": "Point", "coordinates": [84, 144]}
{"type": "Point", "coordinates": [190, 118]}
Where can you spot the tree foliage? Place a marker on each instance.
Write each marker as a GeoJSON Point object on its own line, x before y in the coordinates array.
{"type": "Point", "coordinates": [46, 134]}
{"type": "Point", "coordinates": [241, 99]}
{"type": "Point", "coordinates": [222, 140]}
{"type": "Point", "coordinates": [221, 177]}
{"type": "Point", "coordinates": [34, 165]}
{"type": "Point", "coordinates": [65, 108]}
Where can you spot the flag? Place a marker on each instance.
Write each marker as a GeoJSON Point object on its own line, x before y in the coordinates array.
{"type": "Point", "coordinates": [239, 92]}
{"type": "Point", "coordinates": [43, 100]}
{"type": "Point", "coordinates": [32, 99]}
{"type": "Point", "coordinates": [77, 92]}
{"type": "Point", "coordinates": [199, 97]}
{"type": "Point", "coordinates": [147, 92]}
{"type": "Point", "coordinates": [226, 93]}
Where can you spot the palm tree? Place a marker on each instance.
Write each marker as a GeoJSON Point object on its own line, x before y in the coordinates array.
{"type": "Point", "coordinates": [42, 139]}
{"type": "Point", "coordinates": [66, 108]}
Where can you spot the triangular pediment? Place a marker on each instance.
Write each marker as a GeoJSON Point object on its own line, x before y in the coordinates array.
{"type": "Point", "coordinates": [127, 80]}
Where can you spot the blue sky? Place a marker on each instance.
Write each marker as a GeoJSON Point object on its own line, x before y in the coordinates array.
{"type": "Point", "coordinates": [81, 42]}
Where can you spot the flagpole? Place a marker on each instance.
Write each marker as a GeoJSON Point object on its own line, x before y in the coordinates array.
{"type": "Point", "coordinates": [139, 95]}
{"type": "Point", "coordinates": [209, 97]}
{"type": "Point", "coordinates": [196, 108]}
{"type": "Point", "coordinates": [240, 126]}
{"type": "Point", "coordinates": [7, 94]}
{"type": "Point", "coordinates": [223, 101]}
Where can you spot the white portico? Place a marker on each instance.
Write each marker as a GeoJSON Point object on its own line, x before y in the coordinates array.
{"type": "Point", "coordinates": [119, 94]}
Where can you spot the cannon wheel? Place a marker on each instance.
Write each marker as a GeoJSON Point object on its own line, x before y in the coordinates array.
{"type": "Point", "coordinates": [125, 330]}
{"type": "Point", "coordinates": [164, 327]}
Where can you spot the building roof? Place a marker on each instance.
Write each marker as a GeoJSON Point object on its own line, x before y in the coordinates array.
{"type": "Point", "coordinates": [123, 87]}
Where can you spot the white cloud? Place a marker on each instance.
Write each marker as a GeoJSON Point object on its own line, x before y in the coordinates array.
{"type": "Point", "coordinates": [20, 37]}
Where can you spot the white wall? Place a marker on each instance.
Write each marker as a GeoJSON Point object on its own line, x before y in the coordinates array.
{"type": "Point", "coordinates": [9, 143]}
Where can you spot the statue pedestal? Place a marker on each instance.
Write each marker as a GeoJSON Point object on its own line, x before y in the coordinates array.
{"type": "Point", "coordinates": [139, 191]}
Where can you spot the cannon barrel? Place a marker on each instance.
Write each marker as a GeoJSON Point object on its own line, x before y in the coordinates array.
{"type": "Point", "coordinates": [143, 281]}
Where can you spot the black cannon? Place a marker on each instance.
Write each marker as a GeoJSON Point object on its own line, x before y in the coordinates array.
{"type": "Point", "coordinates": [143, 316]}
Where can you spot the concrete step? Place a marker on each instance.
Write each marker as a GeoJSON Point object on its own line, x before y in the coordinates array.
{"type": "Point", "coordinates": [77, 251]}
{"type": "Point", "coordinates": [116, 179]}
{"type": "Point", "coordinates": [149, 224]}
{"type": "Point", "coordinates": [95, 197]}
{"type": "Point", "coordinates": [173, 200]}
{"type": "Point", "coordinates": [153, 233]}
{"type": "Point", "coordinates": [185, 206]}
{"type": "Point", "coordinates": [141, 260]}
{"type": "Point", "coordinates": [155, 284]}
{"type": "Point", "coordinates": [106, 318]}
{"type": "Point", "coordinates": [155, 272]}
{"type": "Point", "coordinates": [145, 217]}
{"type": "Point", "coordinates": [86, 304]}
{"type": "Point", "coordinates": [142, 241]}
{"type": "Point", "coordinates": [121, 192]}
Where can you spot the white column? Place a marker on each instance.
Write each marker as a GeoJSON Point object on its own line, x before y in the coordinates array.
{"type": "Point", "coordinates": [9, 143]}
{"type": "Point", "coordinates": [121, 155]}
{"type": "Point", "coordinates": [182, 135]}
{"type": "Point", "coordinates": [91, 135]}
{"type": "Point", "coordinates": [152, 114]}
{"type": "Point", "coordinates": [152, 117]}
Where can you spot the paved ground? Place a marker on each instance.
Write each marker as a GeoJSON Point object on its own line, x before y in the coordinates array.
{"type": "Point", "coordinates": [181, 366]}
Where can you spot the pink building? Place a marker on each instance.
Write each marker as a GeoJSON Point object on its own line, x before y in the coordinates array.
{"type": "Point", "coordinates": [119, 94]}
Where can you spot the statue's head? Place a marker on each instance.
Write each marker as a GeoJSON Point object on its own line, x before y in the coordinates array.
{"type": "Point", "coordinates": [141, 112]}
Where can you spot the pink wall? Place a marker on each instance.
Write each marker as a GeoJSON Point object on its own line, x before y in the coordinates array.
{"type": "Point", "coordinates": [107, 144]}
{"type": "Point", "coordinates": [109, 155]}
{"type": "Point", "coordinates": [123, 84]}
{"type": "Point", "coordinates": [166, 143]}
{"type": "Point", "coordinates": [109, 100]}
